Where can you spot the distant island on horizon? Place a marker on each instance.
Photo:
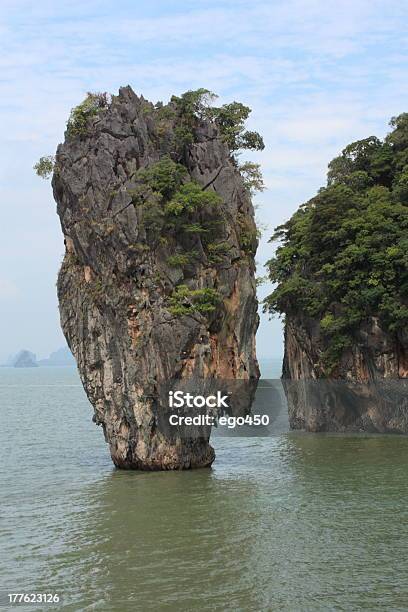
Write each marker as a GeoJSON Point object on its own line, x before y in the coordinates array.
{"type": "Point", "coordinates": [27, 359]}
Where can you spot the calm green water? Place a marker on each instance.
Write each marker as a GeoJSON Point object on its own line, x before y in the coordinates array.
{"type": "Point", "coordinates": [291, 522]}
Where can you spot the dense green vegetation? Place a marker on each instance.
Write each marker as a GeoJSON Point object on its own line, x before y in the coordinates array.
{"type": "Point", "coordinates": [165, 177]}
{"type": "Point", "coordinates": [172, 207]}
{"type": "Point", "coordinates": [191, 108]}
{"type": "Point", "coordinates": [168, 200]}
{"type": "Point", "coordinates": [190, 198]}
{"type": "Point", "coordinates": [344, 254]}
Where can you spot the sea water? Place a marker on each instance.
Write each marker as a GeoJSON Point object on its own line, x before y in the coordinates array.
{"type": "Point", "coordinates": [287, 522]}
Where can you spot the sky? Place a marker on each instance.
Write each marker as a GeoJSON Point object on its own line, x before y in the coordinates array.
{"type": "Point", "coordinates": [318, 74]}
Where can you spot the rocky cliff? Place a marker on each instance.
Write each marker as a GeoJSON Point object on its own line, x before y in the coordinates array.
{"type": "Point", "coordinates": [341, 274]}
{"type": "Point", "coordinates": [157, 283]}
{"type": "Point", "coordinates": [367, 391]}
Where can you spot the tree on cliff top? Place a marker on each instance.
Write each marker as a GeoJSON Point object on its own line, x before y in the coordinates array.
{"type": "Point", "coordinates": [191, 107]}
{"type": "Point", "coordinates": [230, 119]}
{"type": "Point", "coordinates": [343, 256]}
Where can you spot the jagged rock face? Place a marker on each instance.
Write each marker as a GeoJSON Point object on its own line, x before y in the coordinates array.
{"type": "Point", "coordinates": [368, 390]}
{"type": "Point", "coordinates": [117, 286]}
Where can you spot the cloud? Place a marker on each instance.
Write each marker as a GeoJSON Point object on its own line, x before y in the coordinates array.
{"type": "Point", "coordinates": [317, 73]}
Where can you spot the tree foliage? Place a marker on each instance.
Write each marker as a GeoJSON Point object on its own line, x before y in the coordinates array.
{"type": "Point", "coordinates": [185, 301]}
{"type": "Point", "coordinates": [90, 107]}
{"type": "Point", "coordinates": [164, 177]}
{"type": "Point", "coordinates": [252, 176]}
{"type": "Point", "coordinates": [167, 181]}
{"type": "Point", "coordinates": [169, 203]}
{"type": "Point", "coordinates": [195, 103]}
{"type": "Point", "coordinates": [45, 166]}
{"type": "Point", "coordinates": [343, 256]}
{"type": "Point", "coordinates": [230, 118]}
{"type": "Point", "coordinates": [181, 259]}
{"type": "Point", "coordinates": [190, 198]}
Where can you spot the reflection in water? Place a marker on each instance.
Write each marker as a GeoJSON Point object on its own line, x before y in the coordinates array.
{"type": "Point", "coordinates": [291, 522]}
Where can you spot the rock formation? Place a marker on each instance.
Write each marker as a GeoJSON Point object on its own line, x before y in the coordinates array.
{"type": "Point", "coordinates": [25, 359]}
{"type": "Point", "coordinates": [157, 283]}
{"type": "Point", "coordinates": [368, 391]}
{"type": "Point", "coordinates": [341, 275]}
{"type": "Point", "coordinates": [61, 357]}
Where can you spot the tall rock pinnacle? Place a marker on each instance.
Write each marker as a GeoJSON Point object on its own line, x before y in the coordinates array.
{"type": "Point", "coordinates": [157, 282]}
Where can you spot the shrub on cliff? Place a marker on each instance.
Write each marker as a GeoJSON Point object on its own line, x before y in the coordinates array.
{"type": "Point", "coordinates": [164, 177]}
{"type": "Point", "coordinates": [45, 166]}
{"type": "Point", "coordinates": [90, 107]}
{"type": "Point", "coordinates": [343, 256]}
{"type": "Point", "coordinates": [252, 176]}
{"type": "Point", "coordinates": [190, 198]}
{"type": "Point", "coordinates": [187, 301]}
{"type": "Point", "coordinates": [167, 201]}
{"type": "Point", "coordinates": [230, 119]}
